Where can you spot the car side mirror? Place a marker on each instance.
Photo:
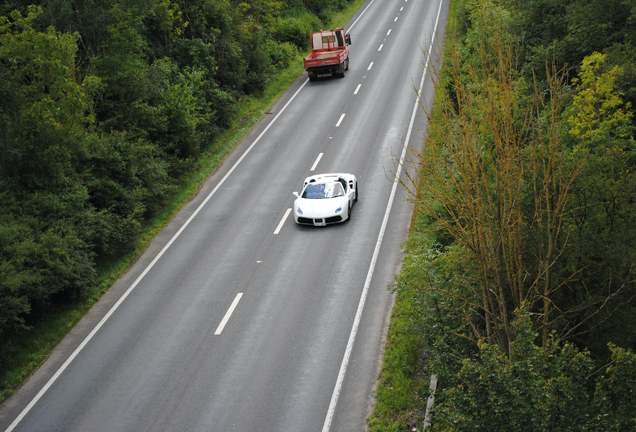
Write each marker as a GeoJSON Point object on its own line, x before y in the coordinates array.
{"type": "Point", "coordinates": [348, 38]}
{"type": "Point", "coordinates": [295, 194]}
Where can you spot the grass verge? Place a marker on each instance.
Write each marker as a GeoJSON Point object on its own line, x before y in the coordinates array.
{"type": "Point", "coordinates": [398, 405]}
{"type": "Point", "coordinates": [30, 350]}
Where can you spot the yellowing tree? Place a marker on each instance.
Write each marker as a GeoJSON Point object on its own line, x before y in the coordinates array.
{"type": "Point", "coordinates": [496, 178]}
{"type": "Point", "coordinates": [598, 110]}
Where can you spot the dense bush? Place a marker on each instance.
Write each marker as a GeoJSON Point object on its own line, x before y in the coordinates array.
{"type": "Point", "coordinates": [295, 30]}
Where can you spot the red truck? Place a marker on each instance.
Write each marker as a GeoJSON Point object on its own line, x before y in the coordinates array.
{"type": "Point", "coordinates": [329, 54]}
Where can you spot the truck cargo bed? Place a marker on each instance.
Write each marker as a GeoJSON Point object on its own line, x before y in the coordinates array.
{"type": "Point", "coordinates": [329, 54]}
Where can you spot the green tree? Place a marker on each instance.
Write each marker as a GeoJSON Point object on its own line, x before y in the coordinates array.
{"type": "Point", "coordinates": [123, 67]}
{"type": "Point", "coordinates": [54, 107]}
{"type": "Point", "coordinates": [538, 388]}
{"type": "Point", "coordinates": [45, 225]}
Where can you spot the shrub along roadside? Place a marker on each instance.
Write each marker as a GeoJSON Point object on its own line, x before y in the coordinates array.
{"type": "Point", "coordinates": [33, 347]}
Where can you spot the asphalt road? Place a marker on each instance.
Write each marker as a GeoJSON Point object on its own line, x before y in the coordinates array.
{"type": "Point", "coordinates": [237, 319]}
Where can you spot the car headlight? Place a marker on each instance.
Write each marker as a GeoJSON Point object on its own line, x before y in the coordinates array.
{"type": "Point", "coordinates": [298, 210]}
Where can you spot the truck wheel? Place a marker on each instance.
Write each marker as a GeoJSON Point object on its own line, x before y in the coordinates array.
{"type": "Point", "coordinates": [312, 78]}
{"type": "Point", "coordinates": [342, 74]}
{"type": "Point", "coordinates": [347, 64]}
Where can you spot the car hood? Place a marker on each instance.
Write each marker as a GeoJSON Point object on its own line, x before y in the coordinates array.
{"type": "Point", "coordinates": [313, 208]}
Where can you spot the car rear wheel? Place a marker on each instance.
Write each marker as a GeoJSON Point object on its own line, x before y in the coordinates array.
{"type": "Point", "coordinates": [357, 192]}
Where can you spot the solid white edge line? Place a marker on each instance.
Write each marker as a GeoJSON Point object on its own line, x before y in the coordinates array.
{"type": "Point", "coordinates": [141, 276]}
{"type": "Point", "coordinates": [228, 314]}
{"type": "Point", "coordinates": [313, 167]}
{"type": "Point", "coordinates": [282, 221]}
{"type": "Point", "coordinates": [356, 322]}
{"type": "Point", "coordinates": [370, 66]}
{"type": "Point", "coordinates": [340, 120]}
{"type": "Point", "coordinates": [362, 13]}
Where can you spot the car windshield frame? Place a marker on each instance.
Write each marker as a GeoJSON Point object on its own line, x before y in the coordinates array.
{"type": "Point", "coordinates": [323, 190]}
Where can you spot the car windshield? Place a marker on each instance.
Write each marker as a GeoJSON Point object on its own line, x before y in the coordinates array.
{"type": "Point", "coordinates": [323, 190]}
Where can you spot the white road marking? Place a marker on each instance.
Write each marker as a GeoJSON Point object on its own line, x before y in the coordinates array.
{"type": "Point", "coordinates": [356, 322]}
{"type": "Point", "coordinates": [360, 16]}
{"type": "Point", "coordinates": [389, 32]}
{"type": "Point", "coordinates": [282, 222]}
{"type": "Point", "coordinates": [340, 121]}
{"type": "Point", "coordinates": [371, 65]}
{"type": "Point", "coordinates": [380, 49]}
{"type": "Point", "coordinates": [357, 88]}
{"type": "Point", "coordinates": [395, 19]}
{"type": "Point", "coordinates": [402, 8]}
{"type": "Point", "coordinates": [313, 167]}
{"type": "Point", "coordinates": [228, 314]}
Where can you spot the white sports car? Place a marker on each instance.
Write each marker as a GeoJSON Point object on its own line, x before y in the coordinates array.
{"type": "Point", "coordinates": [326, 199]}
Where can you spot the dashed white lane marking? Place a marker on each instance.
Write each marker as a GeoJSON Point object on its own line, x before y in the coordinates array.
{"type": "Point", "coordinates": [402, 8]}
{"type": "Point", "coordinates": [389, 32]}
{"type": "Point", "coordinates": [357, 88]}
{"type": "Point", "coordinates": [395, 19]}
{"type": "Point", "coordinates": [370, 66]}
{"type": "Point", "coordinates": [313, 167]}
{"type": "Point", "coordinates": [380, 49]}
{"type": "Point", "coordinates": [340, 121]}
{"type": "Point", "coordinates": [229, 313]}
{"type": "Point", "coordinates": [282, 221]}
